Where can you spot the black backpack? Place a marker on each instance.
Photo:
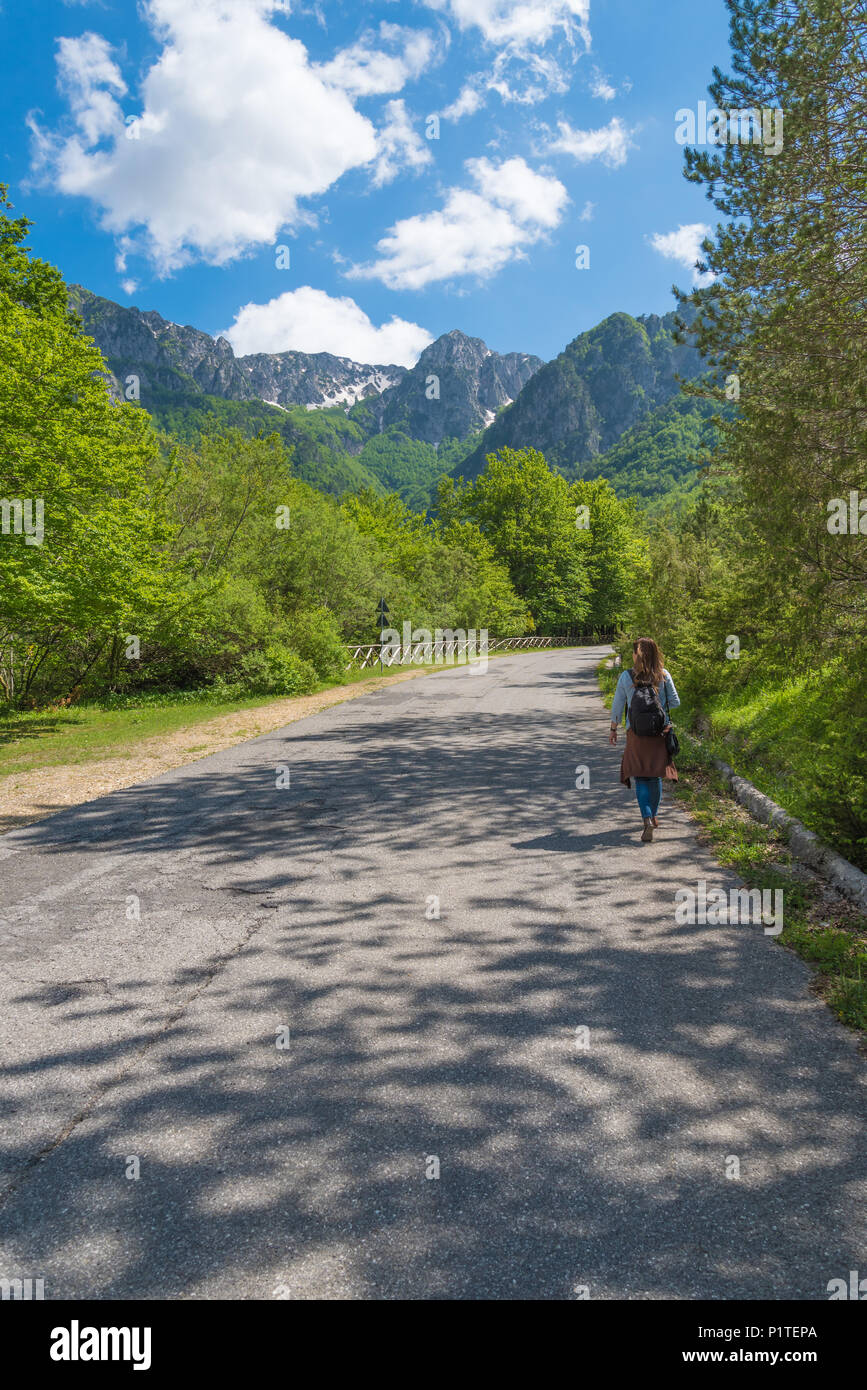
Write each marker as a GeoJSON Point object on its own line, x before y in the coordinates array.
{"type": "Point", "coordinates": [646, 715]}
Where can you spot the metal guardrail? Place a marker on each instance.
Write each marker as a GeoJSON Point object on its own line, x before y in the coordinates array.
{"type": "Point", "coordinates": [412, 653]}
{"type": "Point", "coordinates": [365, 654]}
{"type": "Point", "coordinates": [520, 643]}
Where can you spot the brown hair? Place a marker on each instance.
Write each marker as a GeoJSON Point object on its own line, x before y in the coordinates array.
{"type": "Point", "coordinates": [648, 661]}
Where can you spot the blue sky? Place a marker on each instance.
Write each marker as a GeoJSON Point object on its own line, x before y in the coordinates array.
{"type": "Point", "coordinates": [165, 151]}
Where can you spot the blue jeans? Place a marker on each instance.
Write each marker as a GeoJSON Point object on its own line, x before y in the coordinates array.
{"type": "Point", "coordinates": [649, 791]}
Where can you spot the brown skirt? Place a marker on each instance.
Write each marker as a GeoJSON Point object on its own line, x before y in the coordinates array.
{"type": "Point", "coordinates": [646, 757]}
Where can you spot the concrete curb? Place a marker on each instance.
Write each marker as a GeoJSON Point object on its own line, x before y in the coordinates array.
{"type": "Point", "coordinates": [804, 844]}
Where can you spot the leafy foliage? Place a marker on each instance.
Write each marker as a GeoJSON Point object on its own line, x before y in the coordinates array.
{"type": "Point", "coordinates": [88, 465]}
{"type": "Point", "coordinates": [660, 461]}
{"type": "Point", "coordinates": [753, 558]}
{"type": "Point", "coordinates": [566, 572]}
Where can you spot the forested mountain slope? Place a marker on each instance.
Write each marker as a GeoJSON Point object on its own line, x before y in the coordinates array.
{"type": "Point", "coordinates": [605, 382]}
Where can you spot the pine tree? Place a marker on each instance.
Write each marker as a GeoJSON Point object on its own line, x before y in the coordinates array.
{"type": "Point", "coordinates": [785, 315]}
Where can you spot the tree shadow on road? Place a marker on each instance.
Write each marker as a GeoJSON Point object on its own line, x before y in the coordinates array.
{"type": "Point", "coordinates": [566, 1159]}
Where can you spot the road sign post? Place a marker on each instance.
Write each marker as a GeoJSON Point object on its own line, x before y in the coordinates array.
{"type": "Point", "coordinates": [382, 614]}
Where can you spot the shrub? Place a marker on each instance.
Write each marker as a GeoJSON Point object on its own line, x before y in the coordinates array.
{"type": "Point", "coordinates": [275, 670]}
{"type": "Point", "coordinates": [315, 635]}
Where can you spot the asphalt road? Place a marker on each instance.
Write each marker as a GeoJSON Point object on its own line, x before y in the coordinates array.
{"type": "Point", "coordinates": [302, 1171]}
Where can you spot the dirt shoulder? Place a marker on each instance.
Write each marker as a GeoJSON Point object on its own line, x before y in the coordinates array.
{"type": "Point", "coordinates": [31, 796]}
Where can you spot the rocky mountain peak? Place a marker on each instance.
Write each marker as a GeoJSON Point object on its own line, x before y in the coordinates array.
{"type": "Point", "coordinates": [470, 382]}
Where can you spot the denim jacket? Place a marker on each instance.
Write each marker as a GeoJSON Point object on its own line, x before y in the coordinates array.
{"type": "Point", "coordinates": [624, 691]}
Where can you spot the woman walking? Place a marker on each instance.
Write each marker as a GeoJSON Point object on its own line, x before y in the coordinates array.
{"type": "Point", "coordinates": [647, 693]}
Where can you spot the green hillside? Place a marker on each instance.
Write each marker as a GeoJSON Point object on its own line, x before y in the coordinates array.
{"type": "Point", "coordinates": [661, 458]}
{"type": "Point", "coordinates": [605, 382]}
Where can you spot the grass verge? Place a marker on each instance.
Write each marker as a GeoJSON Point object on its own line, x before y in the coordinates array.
{"type": "Point", "coordinates": [66, 737]}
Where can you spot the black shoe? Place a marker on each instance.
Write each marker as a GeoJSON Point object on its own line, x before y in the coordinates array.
{"type": "Point", "coordinates": [647, 833]}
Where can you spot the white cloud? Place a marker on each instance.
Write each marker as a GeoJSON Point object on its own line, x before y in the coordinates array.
{"type": "Point", "coordinates": [475, 233]}
{"type": "Point", "coordinates": [586, 214]}
{"type": "Point", "coordinates": [684, 246]}
{"type": "Point", "coordinates": [519, 22]}
{"type": "Point", "coordinates": [129, 286]}
{"type": "Point", "coordinates": [399, 145]}
{"type": "Point", "coordinates": [236, 130]}
{"type": "Point", "coordinates": [518, 76]}
{"type": "Point", "coordinates": [601, 87]}
{"type": "Point", "coordinates": [467, 103]}
{"type": "Point", "coordinates": [89, 75]}
{"type": "Point", "coordinates": [609, 143]}
{"type": "Point", "coordinates": [528, 196]}
{"type": "Point", "coordinates": [125, 248]}
{"type": "Point", "coordinates": [527, 79]}
{"type": "Point", "coordinates": [365, 69]}
{"type": "Point", "coordinates": [309, 320]}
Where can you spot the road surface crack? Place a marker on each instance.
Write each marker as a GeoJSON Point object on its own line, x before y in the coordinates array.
{"type": "Point", "coordinates": [136, 1056]}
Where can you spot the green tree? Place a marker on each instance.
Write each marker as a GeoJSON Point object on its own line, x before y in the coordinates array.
{"type": "Point", "coordinates": [616, 555]}
{"type": "Point", "coordinates": [83, 464]}
{"type": "Point", "coordinates": [526, 512]}
{"type": "Point", "coordinates": [784, 317]}
{"type": "Point", "coordinates": [783, 327]}
{"type": "Point", "coordinates": [442, 575]}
